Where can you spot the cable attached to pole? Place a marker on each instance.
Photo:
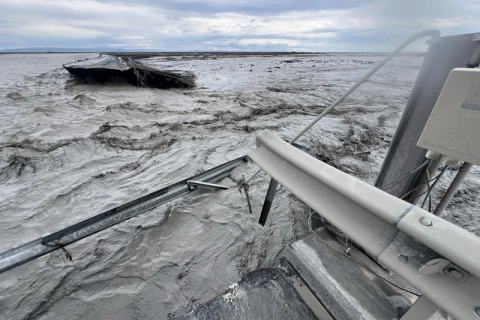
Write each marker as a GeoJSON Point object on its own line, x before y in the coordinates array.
{"type": "Point", "coordinates": [355, 260]}
{"type": "Point", "coordinates": [421, 194]}
{"type": "Point", "coordinates": [434, 184]}
{"type": "Point", "coordinates": [425, 163]}
{"type": "Point", "coordinates": [456, 183]}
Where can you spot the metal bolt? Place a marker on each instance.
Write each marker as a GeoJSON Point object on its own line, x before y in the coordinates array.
{"type": "Point", "coordinates": [457, 274]}
{"type": "Point", "coordinates": [426, 222]}
{"type": "Point", "coordinates": [403, 258]}
{"type": "Point", "coordinates": [477, 311]}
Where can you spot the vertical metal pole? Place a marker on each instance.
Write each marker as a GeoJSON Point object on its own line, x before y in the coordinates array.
{"type": "Point", "coordinates": [456, 183]}
{"type": "Point", "coordinates": [422, 309]}
{"type": "Point", "coordinates": [272, 188]}
{"type": "Point", "coordinates": [248, 200]}
{"type": "Point", "coordinates": [443, 55]}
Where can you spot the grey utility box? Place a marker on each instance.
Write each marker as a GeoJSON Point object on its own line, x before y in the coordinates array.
{"type": "Point", "coordinates": [453, 128]}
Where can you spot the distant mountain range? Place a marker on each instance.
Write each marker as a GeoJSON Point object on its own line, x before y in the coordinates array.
{"type": "Point", "coordinates": [100, 49]}
{"type": "Point", "coordinates": [124, 51]}
{"type": "Point", "coordinates": [57, 49]}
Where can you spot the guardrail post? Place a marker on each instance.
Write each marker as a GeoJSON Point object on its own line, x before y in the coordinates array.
{"type": "Point", "coordinates": [272, 188]}
{"type": "Point", "coordinates": [422, 309]}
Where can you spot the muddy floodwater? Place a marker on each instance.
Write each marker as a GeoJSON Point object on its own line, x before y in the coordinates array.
{"type": "Point", "coordinates": [69, 151]}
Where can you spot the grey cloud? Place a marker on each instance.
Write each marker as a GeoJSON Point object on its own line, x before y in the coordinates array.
{"type": "Point", "coordinates": [331, 25]}
{"type": "Point", "coordinates": [247, 6]}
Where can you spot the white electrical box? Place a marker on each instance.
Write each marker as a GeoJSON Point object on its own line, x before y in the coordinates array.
{"type": "Point", "coordinates": [453, 128]}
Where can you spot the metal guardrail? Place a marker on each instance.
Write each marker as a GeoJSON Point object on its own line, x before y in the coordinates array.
{"type": "Point", "coordinates": [439, 259]}
{"type": "Point", "coordinates": [57, 240]}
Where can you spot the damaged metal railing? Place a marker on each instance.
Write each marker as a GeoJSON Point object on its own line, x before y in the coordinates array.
{"type": "Point", "coordinates": [439, 259]}
{"type": "Point", "coordinates": [59, 239]}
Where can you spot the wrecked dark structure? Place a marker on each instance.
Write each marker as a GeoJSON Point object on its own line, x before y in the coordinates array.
{"type": "Point", "coordinates": [113, 69]}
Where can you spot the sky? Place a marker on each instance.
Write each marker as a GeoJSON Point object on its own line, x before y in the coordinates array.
{"type": "Point", "coordinates": [224, 25]}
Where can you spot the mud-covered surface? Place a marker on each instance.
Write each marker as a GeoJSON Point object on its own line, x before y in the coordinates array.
{"type": "Point", "coordinates": [69, 151]}
{"type": "Point", "coordinates": [261, 294]}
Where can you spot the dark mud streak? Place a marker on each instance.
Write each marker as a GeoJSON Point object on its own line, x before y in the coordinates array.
{"type": "Point", "coordinates": [47, 301]}
{"type": "Point", "coordinates": [16, 166]}
{"type": "Point", "coordinates": [40, 146]}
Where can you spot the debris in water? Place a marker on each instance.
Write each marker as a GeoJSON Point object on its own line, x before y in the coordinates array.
{"type": "Point", "coordinates": [232, 293]}
{"type": "Point", "coordinates": [113, 69]}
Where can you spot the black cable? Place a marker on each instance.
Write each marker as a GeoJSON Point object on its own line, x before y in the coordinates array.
{"type": "Point", "coordinates": [388, 186]}
{"type": "Point", "coordinates": [420, 186]}
{"type": "Point", "coordinates": [421, 194]}
{"type": "Point", "coordinates": [356, 261]}
{"type": "Point", "coordinates": [413, 198]}
{"type": "Point", "coordinates": [428, 187]}
{"type": "Point", "coordinates": [434, 184]}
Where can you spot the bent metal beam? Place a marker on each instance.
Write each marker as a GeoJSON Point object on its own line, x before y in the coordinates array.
{"type": "Point", "coordinates": [56, 240]}
{"type": "Point", "coordinates": [404, 237]}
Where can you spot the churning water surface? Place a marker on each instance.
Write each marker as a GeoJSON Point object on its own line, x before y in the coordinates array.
{"type": "Point", "coordinates": [69, 151]}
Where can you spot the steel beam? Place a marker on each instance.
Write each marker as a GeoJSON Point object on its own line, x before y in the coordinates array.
{"type": "Point", "coordinates": [56, 240]}
{"type": "Point", "coordinates": [206, 185]}
{"type": "Point", "coordinates": [267, 205]}
{"type": "Point", "coordinates": [422, 309]}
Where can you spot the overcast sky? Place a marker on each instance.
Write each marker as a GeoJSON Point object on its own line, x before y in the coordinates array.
{"type": "Point", "coordinates": [238, 25]}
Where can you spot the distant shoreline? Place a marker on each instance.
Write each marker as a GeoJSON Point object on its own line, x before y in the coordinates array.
{"type": "Point", "coordinates": [134, 54]}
